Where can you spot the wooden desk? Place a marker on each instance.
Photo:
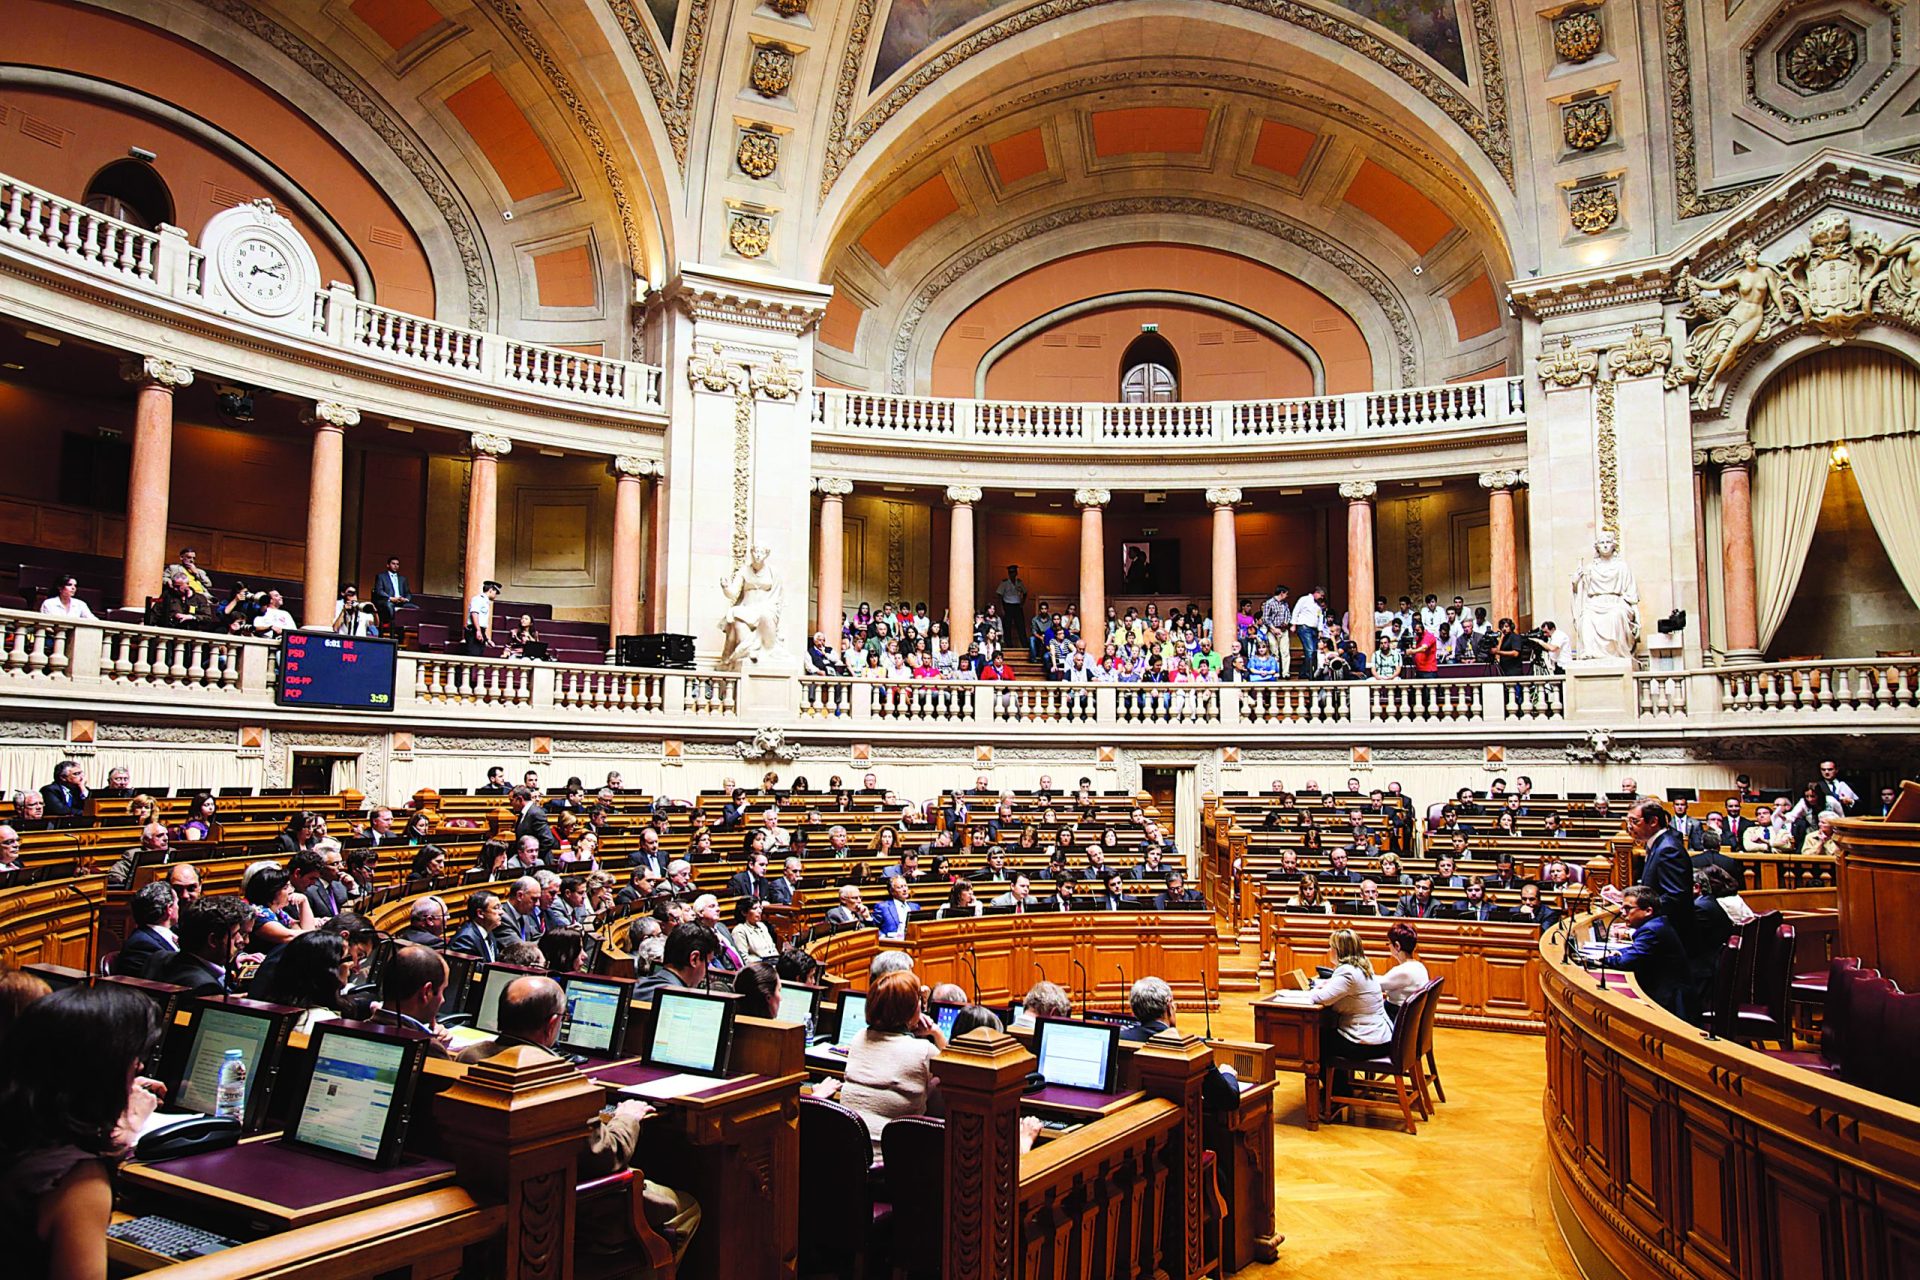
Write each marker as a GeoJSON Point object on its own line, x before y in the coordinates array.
{"type": "Point", "coordinates": [1078, 1104]}
{"type": "Point", "coordinates": [1294, 1031]}
{"type": "Point", "coordinates": [51, 922]}
{"type": "Point", "coordinates": [1242, 1144]}
{"type": "Point", "coordinates": [271, 1188]}
{"type": "Point", "coordinates": [737, 1145]}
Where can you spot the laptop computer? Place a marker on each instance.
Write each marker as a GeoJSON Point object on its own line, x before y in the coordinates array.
{"type": "Point", "coordinates": [356, 1104]}
{"type": "Point", "coordinates": [692, 1037]}
{"type": "Point", "coordinates": [1079, 1055]}
{"type": "Point", "coordinates": [595, 1023]}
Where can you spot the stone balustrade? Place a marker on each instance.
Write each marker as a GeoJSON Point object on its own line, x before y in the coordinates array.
{"type": "Point", "coordinates": [1858, 690]}
{"type": "Point", "coordinates": [163, 266]}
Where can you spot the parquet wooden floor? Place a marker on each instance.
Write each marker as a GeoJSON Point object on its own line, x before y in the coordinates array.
{"type": "Point", "coordinates": [1464, 1199]}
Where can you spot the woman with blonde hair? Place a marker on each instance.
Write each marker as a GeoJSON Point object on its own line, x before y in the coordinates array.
{"type": "Point", "coordinates": [1354, 993]}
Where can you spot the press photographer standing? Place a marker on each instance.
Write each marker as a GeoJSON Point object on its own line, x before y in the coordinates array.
{"type": "Point", "coordinates": [354, 617]}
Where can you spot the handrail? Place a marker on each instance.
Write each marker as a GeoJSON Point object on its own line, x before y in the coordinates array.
{"type": "Point", "coordinates": [163, 264]}
{"type": "Point", "coordinates": [1494, 402]}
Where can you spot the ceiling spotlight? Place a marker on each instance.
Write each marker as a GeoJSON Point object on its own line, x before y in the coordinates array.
{"type": "Point", "coordinates": [235, 403]}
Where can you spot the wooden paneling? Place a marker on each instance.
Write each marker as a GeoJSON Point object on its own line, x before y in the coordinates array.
{"type": "Point", "coordinates": [1489, 968]}
{"type": "Point", "coordinates": [51, 922]}
{"type": "Point", "coordinates": [1679, 1156]}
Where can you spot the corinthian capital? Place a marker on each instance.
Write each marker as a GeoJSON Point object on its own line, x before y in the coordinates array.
{"type": "Point", "coordinates": [331, 413]}
{"type": "Point", "coordinates": [1223, 497]}
{"type": "Point", "coordinates": [1359, 490]}
{"type": "Point", "coordinates": [492, 445]}
{"type": "Point", "coordinates": [632, 464]}
{"type": "Point", "coordinates": [1092, 497]}
{"type": "Point", "coordinates": [1503, 479]}
{"type": "Point", "coordinates": [833, 486]}
{"type": "Point", "coordinates": [157, 370]}
{"type": "Point", "coordinates": [963, 495]}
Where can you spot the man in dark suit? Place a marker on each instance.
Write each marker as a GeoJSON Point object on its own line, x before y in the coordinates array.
{"type": "Point", "coordinates": [1530, 910]}
{"type": "Point", "coordinates": [752, 881]}
{"type": "Point", "coordinates": [1112, 898]}
{"type": "Point", "coordinates": [1177, 890]}
{"type": "Point", "coordinates": [212, 931]}
{"type": "Point", "coordinates": [1478, 904]}
{"type": "Point", "coordinates": [426, 924]}
{"type": "Point", "coordinates": [1336, 872]}
{"type": "Point", "coordinates": [1151, 1000]}
{"type": "Point", "coordinates": [496, 783]}
{"type": "Point", "coordinates": [1421, 904]}
{"type": "Point", "coordinates": [520, 917]}
{"type": "Point", "coordinates": [475, 937]}
{"type": "Point", "coordinates": [156, 911]}
{"type": "Point", "coordinates": [532, 822]}
{"type": "Point", "coordinates": [1655, 954]}
{"type": "Point", "coordinates": [1668, 871]}
{"type": "Point", "coordinates": [66, 795]}
{"type": "Point", "coordinates": [390, 592]}
{"type": "Point", "coordinates": [1368, 904]}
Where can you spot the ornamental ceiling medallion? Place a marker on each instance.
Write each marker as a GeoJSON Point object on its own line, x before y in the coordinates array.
{"type": "Point", "coordinates": [1820, 57]}
{"type": "Point", "coordinates": [749, 234]}
{"type": "Point", "coordinates": [1587, 122]}
{"type": "Point", "coordinates": [758, 154]}
{"type": "Point", "coordinates": [1594, 209]}
{"type": "Point", "coordinates": [1832, 285]}
{"type": "Point", "coordinates": [772, 72]}
{"type": "Point", "coordinates": [1576, 36]}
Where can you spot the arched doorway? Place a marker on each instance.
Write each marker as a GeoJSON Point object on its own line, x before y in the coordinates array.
{"type": "Point", "coordinates": [132, 191]}
{"type": "Point", "coordinates": [1149, 371]}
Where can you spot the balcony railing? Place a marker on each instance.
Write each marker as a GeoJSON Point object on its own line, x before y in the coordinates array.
{"type": "Point", "coordinates": [162, 264]}
{"type": "Point", "coordinates": [91, 665]}
{"type": "Point", "coordinates": [1462, 406]}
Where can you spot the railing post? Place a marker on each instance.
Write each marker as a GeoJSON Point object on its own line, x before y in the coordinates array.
{"type": "Point", "coordinates": [85, 650]}
{"type": "Point", "coordinates": [542, 689]}
{"type": "Point", "coordinates": [1174, 1066]}
{"type": "Point", "coordinates": [1353, 410]}
{"type": "Point", "coordinates": [341, 306]}
{"type": "Point", "coordinates": [170, 273]}
{"type": "Point", "coordinates": [982, 1076]}
{"type": "Point", "coordinates": [966, 416]}
{"type": "Point", "coordinates": [255, 662]}
{"type": "Point", "coordinates": [1220, 414]}
{"type": "Point", "coordinates": [1106, 705]}
{"type": "Point", "coordinates": [1493, 700]}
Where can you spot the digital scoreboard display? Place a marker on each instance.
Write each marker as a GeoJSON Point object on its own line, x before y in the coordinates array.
{"type": "Point", "coordinates": [348, 673]}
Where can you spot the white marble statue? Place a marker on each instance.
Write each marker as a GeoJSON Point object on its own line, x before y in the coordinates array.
{"type": "Point", "coordinates": [1606, 604]}
{"type": "Point", "coordinates": [751, 623]}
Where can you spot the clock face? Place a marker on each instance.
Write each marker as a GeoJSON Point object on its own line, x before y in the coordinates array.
{"type": "Point", "coordinates": [260, 274]}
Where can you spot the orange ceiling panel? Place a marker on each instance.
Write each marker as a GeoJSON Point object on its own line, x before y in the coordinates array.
{"type": "Point", "coordinates": [1021, 156]}
{"type": "Point", "coordinates": [564, 278]}
{"type": "Point", "coordinates": [1160, 130]}
{"type": "Point", "coordinates": [913, 213]}
{"type": "Point", "coordinates": [840, 326]}
{"type": "Point", "coordinates": [1395, 203]}
{"type": "Point", "coordinates": [1475, 310]}
{"type": "Point", "coordinates": [398, 22]}
{"type": "Point", "coordinates": [506, 137]}
{"type": "Point", "coordinates": [1282, 148]}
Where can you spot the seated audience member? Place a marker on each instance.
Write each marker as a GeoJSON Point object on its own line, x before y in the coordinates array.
{"type": "Point", "coordinates": [532, 1010]}
{"type": "Point", "coordinates": [70, 1093]}
{"type": "Point", "coordinates": [1367, 904]}
{"type": "Point", "coordinates": [1354, 993]}
{"type": "Point", "coordinates": [429, 864]}
{"type": "Point", "coordinates": [30, 812]}
{"type": "Point", "coordinates": [426, 924]}
{"type": "Point", "coordinates": [1045, 1000]}
{"type": "Point", "coordinates": [66, 602]}
{"type": "Point", "coordinates": [523, 955]}
{"type": "Point", "coordinates": [184, 879]}
{"type": "Point", "coordinates": [312, 972]}
{"type": "Point", "coordinates": [1151, 1000]}
{"type": "Point", "coordinates": [1113, 895]}
{"type": "Point", "coordinates": [1062, 899]}
{"type": "Point", "coordinates": [751, 936]}
{"type": "Point", "coordinates": [1019, 895]}
{"type": "Point", "coordinates": [960, 902]}
{"type": "Point", "coordinates": [850, 910]}
{"type": "Point", "coordinates": [202, 814]}
{"type": "Point", "coordinates": [1407, 975]}
{"type": "Point", "coordinates": [302, 829]}
{"type": "Point", "coordinates": [182, 606]}
{"type": "Point", "coordinates": [889, 1070]}
{"type": "Point", "coordinates": [1478, 904]}
{"type": "Point", "coordinates": [484, 919]}
{"type": "Point", "coordinates": [156, 913]}
{"type": "Point", "coordinates": [66, 795]}
{"type": "Point", "coordinates": [1421, 904]}
{"type": "Point", "coordinates": [1654, 954]}
{"type": "Point", "coordinates": [751, 881]}
{"type": "Point", "coordinates": [10, 849]}
{"type": "Point", "coordinates": [212, 931]}
{"type": "Point", "coordinates": [279, 913]}
{"type": "Point", "coordinates": [722, 955]}
{"type": "Point", "coordinates": [683, 962]}
{"type": "Point", "coordinates": [1530, 909]}
{"type": "Point", "coordinates": [1176, 891]}
{"type": "Point", "coordinates": [561, 950]}
{"type": "Point", "coordinates": [973, 1017]}
{"type": "Point", "coordinates": [413, 986]}
{"type": "Point", "coordinates": [758, 986]}
{"type": "Point", "coordinates": [1307, 897]}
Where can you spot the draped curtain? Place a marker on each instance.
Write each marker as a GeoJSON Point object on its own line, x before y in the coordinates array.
{"type": "Point", "coordinates": [1871, 400]}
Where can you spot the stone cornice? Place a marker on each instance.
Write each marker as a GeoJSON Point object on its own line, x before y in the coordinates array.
{"type": "Point", "coordinates": [778, 306]}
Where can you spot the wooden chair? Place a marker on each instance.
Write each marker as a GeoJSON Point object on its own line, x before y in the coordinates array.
{"type": "Point", "coordinates": [1766, 1014]}
{"type": "Point", "coordinates": [840, 1225]}
{"type": "Point", "coordinates": [1836, 1020]}
{"type": "Point", "coordinates": [614, 1204]}
{"type": "Point", "coordinates": [1366, 1077]}
{"type": "Point", "coordinates": [914, 1150]}
{"type": "Point", "coordinates": [1423, 1063]}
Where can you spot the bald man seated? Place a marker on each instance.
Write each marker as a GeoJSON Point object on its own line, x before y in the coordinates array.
{"type": "Point", "coordinates": [531, 1011]}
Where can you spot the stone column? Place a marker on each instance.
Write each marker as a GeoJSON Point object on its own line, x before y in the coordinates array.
{"type": "Point", "coordinates": [629, 473]}
{"type": "Point", "coordinates": [833, 556]}
{"type": "Point", "coordinates": [1226, 569]}
{"type": "Point", "coordinates": [483, 512]}
{"type": "Point", "coordinates": [1736, 528]}
{"type": "Point", "coordinates": [150, 479]}
{"type": "Point", "coordinates": [1359, 496]}
{"type": "Point", "coordinates": [1501, 540]}
{"type": "Point", "coordinates": [1093, 570]}
{"type": "Point", "coordinates": [960, 583]}
{"type": "Point", "coordinates": [321, 584]}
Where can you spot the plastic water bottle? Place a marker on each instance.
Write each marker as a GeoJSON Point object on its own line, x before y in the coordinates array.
{"type": "Point", "coordinates": [230, 1091]}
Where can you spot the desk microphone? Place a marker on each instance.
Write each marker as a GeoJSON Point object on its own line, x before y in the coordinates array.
{"type": "Point", "coordinates": [1083, 985]}
{"type": "Point", "coordinates": [973, 969]}
{"type": "Point", "coordinates": [1122, 971]}
{"type": "Point", "coordinates": [1042, 969]}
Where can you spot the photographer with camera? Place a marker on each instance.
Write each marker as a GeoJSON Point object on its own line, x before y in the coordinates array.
{"type": "Point", "coordinates": [354, 617]}
{"type": "Point", "coordinates": [1510, 650]}
{"type": "Point", "coordinates": [272, 619]}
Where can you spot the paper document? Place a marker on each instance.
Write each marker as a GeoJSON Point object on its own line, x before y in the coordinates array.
{"type": "Point", "coordinates": [671, 1086]}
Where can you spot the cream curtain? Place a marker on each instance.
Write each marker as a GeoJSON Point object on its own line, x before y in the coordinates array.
{"type": "Point", "coordinates": [1871, 400]}
{"type": "Point", "coordinates": [1787, 487]}
{"type": "Point", "coordinates": [1888, 472]}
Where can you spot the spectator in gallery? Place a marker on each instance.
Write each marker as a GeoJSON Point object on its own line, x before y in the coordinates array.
{"type": "Point", "coordinates": [66, 603]}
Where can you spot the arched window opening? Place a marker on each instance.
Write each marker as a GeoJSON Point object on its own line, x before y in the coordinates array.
{"type": "Point", "coordinates": [1149, 371]}
{"type": "Point", "coordinates": [132, 191]}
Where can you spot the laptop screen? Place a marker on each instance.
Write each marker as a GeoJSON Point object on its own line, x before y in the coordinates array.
{"type": "Point", "coordinates": [944, 1012]}
{"type": "Point", "coordinates": [853, 1017]}
{"type": "Point", "coordinates": [593, 1014]}
{"type": "Point", "coordinates": [798, 1002]}
{"type": "Point", "coordinates": [214, 1032]}
{"type": "Point", "coordinates": [1077, 1054]}
{"type": "Point", "coordinates": [352, 1095]}
{"type": "Point", "coordinates": [493, 985]}
{"type": "Point", "coordinates": [690, 1031]}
